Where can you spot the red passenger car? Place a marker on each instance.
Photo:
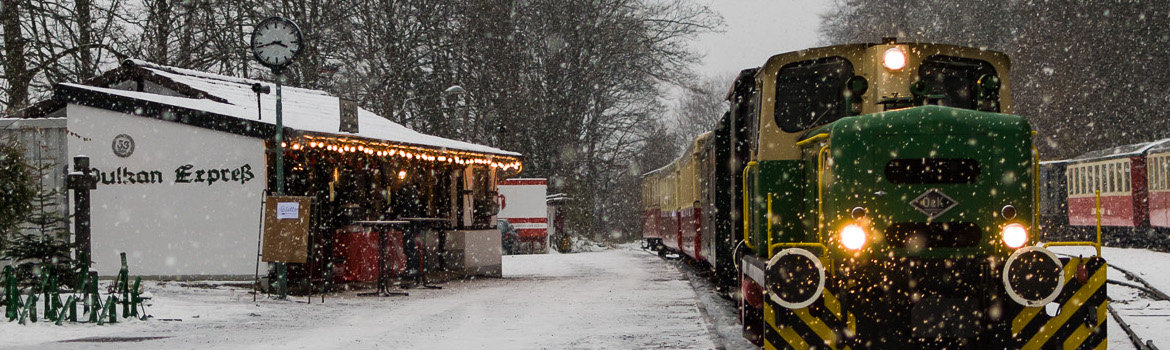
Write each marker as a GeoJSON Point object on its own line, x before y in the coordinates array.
{"type": "Point", "coordinates": [1158, 175]}
{"type": "Point", "coordinates": [1120, 175]}
{"type": "Point", "coordinates": [671, 205]}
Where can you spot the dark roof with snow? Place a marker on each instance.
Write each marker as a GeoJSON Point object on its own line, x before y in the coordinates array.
{"type": "Point", "coordinates": [1124, 151]}
{"type": "Point", "coordinates": [228, 104]}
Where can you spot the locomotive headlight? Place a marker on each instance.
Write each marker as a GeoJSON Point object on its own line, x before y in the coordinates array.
{"type": "Point", "coordinates": [853, 236]}
{"type": "Point", "coordinates": [894, 59]}
{"type": "Point", "coordinates": [1014, 235]}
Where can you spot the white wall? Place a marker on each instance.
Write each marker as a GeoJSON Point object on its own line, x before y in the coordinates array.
{"type": "Point", "coordinates": [525, 200]}
{"type": "Point", "coordinates": [167, 227]}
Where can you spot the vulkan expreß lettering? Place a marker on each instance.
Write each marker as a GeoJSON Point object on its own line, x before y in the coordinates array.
{"type": "Point", "coordinates": [185, 174]}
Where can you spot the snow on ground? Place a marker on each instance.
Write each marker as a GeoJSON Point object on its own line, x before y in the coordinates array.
{"type": "Point", "coordinates": [1148, 318]}
{"type": "Point", "coordinates": [622, 298]}
{"type": "Point", "coordinates": [615, 299]}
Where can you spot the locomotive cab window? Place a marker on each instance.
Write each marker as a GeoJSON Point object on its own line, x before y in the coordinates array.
{"type": "Point", "coordinates": [954, 82]}
{"type": "Point", "coordinates": [810, 93]}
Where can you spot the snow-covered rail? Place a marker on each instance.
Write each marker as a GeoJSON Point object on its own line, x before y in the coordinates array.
{"type": "Point", "coordinates": [1147, 291]}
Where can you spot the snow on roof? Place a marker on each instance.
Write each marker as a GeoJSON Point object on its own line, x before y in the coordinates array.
{"type": "Point", "coordinates": [1162, 146]}
{"type": "Point", "coordinates": [302, 109]}
{"type": "Point", "coordinates": [1125, 150]}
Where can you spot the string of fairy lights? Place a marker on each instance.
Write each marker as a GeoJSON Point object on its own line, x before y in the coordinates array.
{"type": "Point", "coordinates": [388, 150]}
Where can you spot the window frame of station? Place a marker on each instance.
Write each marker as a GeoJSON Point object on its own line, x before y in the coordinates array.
{"type": "Point", "coordinates": [1158, 169]}
{"type": "Point", "coordinates": [1112, 177]}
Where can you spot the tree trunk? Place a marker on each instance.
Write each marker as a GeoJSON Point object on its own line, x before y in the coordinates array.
{"type": "Point", "coordinates": [85, 35]}
{"type": "Point", "coordinates": [15, 67]}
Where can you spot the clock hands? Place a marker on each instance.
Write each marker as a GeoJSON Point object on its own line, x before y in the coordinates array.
{"type": "Point", "coordinates": [278, 42]}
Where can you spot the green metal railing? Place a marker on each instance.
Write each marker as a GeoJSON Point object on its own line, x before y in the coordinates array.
{"type": "Point", "coordinates": [23, 309]}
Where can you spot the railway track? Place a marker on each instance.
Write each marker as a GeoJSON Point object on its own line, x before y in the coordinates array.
{"type": "Point", "coordinates": [1145, 291]}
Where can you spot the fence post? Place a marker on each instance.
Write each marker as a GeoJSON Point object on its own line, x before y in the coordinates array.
{"type": "Point", "coordinates": [30, 309]}
{"type": "Point", "coordinates": [71, 307]}
{"type": "Point", "coordinates": [136, 298]}
{"type": "Point", "coordinates": [11, 295]}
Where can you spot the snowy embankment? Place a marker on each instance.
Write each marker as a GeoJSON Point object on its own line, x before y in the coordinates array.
{"type": "Point", "coordinates": [615, 299]}
{"type": "Point", "coordinates": [1149, 318]}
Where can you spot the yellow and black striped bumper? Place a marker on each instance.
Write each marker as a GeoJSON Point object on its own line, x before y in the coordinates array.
{"type": "Point", "coordinates": [822, 325]}
{"type": "Point", "coordinates": [1080, 322]}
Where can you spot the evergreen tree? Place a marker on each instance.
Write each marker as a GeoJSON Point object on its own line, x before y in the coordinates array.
{"type": "Point", "coordinates": [16, 190]}
{"type": "Point", "coordinates": [43, 238]}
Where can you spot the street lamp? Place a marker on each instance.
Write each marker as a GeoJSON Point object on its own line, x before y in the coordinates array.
{"type": "Point", "coordinates": [457, 90]}
{"type": "Point", "coordinates": [454, 89]}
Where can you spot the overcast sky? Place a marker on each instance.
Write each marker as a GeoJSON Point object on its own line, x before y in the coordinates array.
{"type": "Point", "coordinates": [756, 30]}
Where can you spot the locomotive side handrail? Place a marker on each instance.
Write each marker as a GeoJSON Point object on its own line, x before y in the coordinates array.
{"type": "Point", "coordinates": [1035, 188]}
{"type": "Point", "coordinates": [1083, 244]}
{"type": "Point", "coordinates": [811, 140]}
{"type": "Point", "coordinates": [821, 192]}
{"type": "Point", "coordinates": [769, 243]}
{"type": "Point", "coordinates": [820, 207]}
{"type": "Point", "coordinates": [747, 241]}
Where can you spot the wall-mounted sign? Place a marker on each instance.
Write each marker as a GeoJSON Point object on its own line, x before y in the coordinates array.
{"type": "Point", "coordinates": [184, 174]}
{"type": "Point", "coordinates": [287, 210]}
{"type": "Point", "coordinates": [123, 145]}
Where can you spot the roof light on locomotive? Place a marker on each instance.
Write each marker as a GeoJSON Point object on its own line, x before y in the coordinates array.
{"type": "Point", "coordinates": [894, 58]}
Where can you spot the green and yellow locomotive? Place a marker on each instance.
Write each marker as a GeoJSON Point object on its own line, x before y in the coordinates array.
{"type": "Point", "coordinates": [880, 196]}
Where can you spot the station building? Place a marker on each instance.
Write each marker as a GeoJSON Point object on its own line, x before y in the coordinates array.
{"type": "Point", "coordinates": [184, 159]}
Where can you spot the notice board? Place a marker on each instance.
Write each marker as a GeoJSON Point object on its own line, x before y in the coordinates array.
{"type": "Point", "coordinates": [286, 229]}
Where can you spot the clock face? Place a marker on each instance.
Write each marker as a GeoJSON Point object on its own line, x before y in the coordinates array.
{"type": "Point", "coordinates": [276, 41]}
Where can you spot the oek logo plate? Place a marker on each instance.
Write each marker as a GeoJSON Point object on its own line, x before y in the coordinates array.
{"type": "Point", "coordinates": [933, 203]}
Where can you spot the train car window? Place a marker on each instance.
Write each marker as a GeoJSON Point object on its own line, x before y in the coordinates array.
{"type": "Point", "coordinates": [1155, 180]}
{"type": "Point", "coordinates": [1124, 177]}
{"type": "Point", "coordinates": [1157, 174]}
{"type": "Point", "coordinates": [1076, 180]}
{"type": "Point", "coordinates": [1098, 178]}
{"type": "Point", "coordinates": [933, 171]}
{"type": "Point", "coordinates": [1162, 172]}
{"type": "Point", "coordinates": [809, 93]}
{"type": "Point", "coordinates": [1081, 179]}
{"type": "Point", "coordinates": [956, 81]}
{"type": "Point", "coordinates": [1152, 174]}
{"type": "Point", "coordinates": [1112, 177]}
{"type": "Point", "coordinates": [1074, 185]}
{"type": "Point", "coordinates": [1089, 179]}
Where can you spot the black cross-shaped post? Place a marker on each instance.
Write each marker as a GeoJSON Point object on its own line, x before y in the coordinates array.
{"type": "Point", "coordinates": [81, 181]}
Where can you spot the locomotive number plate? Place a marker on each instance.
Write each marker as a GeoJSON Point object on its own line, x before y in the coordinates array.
{"type": "Point", "coordinates": [933, 203]}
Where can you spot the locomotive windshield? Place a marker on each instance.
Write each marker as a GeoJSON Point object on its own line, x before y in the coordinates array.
{"type": "Point", "coordinates": [808, 93]}
{"type": "Point", "coordinates": [955, 80]}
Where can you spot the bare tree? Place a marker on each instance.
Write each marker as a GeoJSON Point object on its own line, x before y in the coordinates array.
{"type": "Point", "coordinates": [1086, 74]}
{"type": "Point", "coordinates": [701, 106]}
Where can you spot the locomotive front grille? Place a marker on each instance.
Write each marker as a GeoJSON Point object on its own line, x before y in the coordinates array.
{"type": "Point", "coordinates": [933, 171]}
{"type": "Point", "coordinates": [921, 235]}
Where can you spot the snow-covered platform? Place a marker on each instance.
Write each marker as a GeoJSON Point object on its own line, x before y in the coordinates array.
{"type": "Point", "coordinates": [615, 299]}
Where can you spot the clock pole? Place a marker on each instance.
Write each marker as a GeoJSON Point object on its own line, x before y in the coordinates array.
{"type": "Point", "coordinates": [281, 267]}
{"type": "Point", "coordinates": [282, 42]}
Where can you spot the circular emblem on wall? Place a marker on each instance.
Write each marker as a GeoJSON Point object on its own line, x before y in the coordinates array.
{"type": "Point", "coordinates": [123, 145]}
